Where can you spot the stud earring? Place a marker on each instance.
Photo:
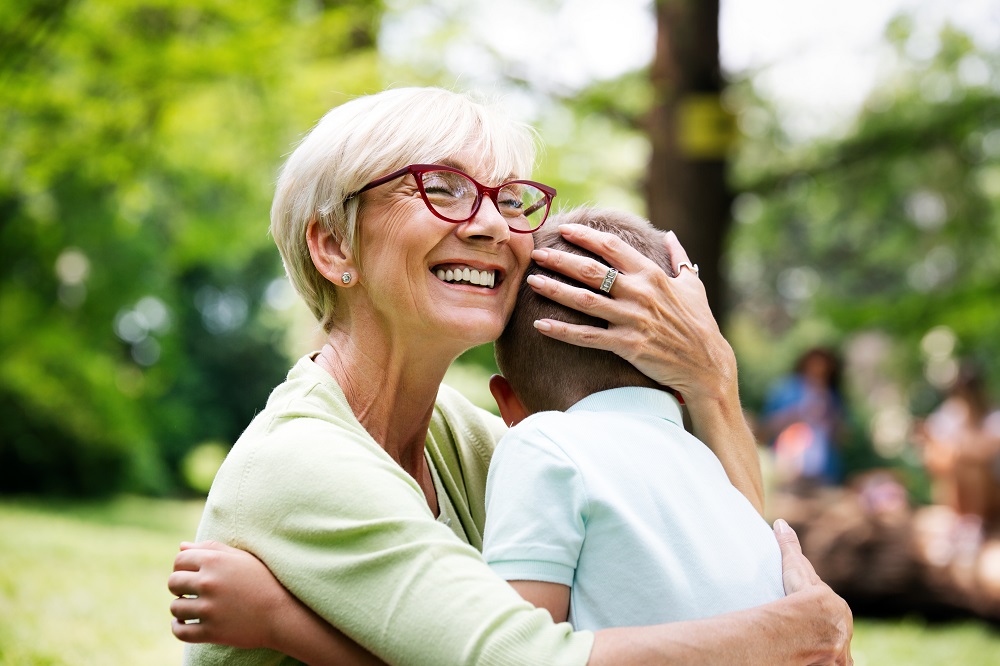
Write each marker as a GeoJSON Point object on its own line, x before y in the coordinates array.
{"type": "Point", "coordinates": [346, 278]}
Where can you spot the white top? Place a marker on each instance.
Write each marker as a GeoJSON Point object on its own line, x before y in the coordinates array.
{"type": "Point", "coordinates": [614, 499]}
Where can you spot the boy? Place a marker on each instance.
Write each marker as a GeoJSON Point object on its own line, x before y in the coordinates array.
{"type": "Point", "coordinates": [601, 508]}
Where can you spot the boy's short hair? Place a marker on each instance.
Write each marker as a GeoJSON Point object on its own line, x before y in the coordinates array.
{"type": "Point", "coordinates": [548, 374]}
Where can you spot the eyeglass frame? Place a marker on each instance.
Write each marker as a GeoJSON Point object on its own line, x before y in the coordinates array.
{"type": "Point", "coordinates": [417, 171]}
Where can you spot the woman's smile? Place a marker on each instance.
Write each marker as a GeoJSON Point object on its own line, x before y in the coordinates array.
{"type": "Point", "coordinates": [465, 274]}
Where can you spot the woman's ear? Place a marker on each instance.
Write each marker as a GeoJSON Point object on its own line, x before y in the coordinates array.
{"type": "Point", "coordinates": [331, 256]}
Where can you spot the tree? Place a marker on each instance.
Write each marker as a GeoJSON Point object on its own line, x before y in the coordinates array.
{"type": "Point", "coordinates": [140, 143]}
{"type": "Point", "coordinates": [690, 136]}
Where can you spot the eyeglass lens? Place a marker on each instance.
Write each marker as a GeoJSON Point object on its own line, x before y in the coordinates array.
{"type": "Point", "coordinates": [453, 196]}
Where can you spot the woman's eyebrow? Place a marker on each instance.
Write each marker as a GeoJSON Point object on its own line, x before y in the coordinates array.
{"type": "Point", "coordinates": [465, 169]}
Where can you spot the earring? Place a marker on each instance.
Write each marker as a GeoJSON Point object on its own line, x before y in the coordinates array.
{"type": "Point", "coordinates": [346, 278]}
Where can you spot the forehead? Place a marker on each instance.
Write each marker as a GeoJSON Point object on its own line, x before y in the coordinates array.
{"type": "Point", "coordinates": [478, 162]}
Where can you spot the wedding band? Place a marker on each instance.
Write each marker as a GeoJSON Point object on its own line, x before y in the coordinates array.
{"type": "Point", "coordinates": [609, 280]}
{"type": "Point", "coordinates": [689, 265]}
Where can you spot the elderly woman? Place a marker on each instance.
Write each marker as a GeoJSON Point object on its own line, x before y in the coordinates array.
{"type": "Point", "coordinates": [404, 220]}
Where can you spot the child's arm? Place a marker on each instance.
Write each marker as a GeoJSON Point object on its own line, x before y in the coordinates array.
{"type": "Point", "coordinates": [237, 601]}
{"type": "Point", "coordinates": [553, 597]}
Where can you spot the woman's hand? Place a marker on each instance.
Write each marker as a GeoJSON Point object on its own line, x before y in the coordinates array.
{"type": "Point", "coordinates": [664, 327]}
{"type": "Point", "coordinates": [660, 324]}
{"type": "Point", "coordinates": [225, 596]}
{"type": "Point", "coordinates": [829, 623]}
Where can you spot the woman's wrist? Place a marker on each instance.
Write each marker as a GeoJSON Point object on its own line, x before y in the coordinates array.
{"type": "Point", "coordinates": [718, 421]}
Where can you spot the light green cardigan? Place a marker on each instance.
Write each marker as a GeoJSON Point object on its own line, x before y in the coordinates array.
{"type": "Point", "coordinates": [308, 491]}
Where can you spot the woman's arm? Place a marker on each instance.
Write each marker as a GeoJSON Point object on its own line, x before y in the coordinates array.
{"type": "Point", "coordinates": [665, 328]}
{"type": "Point", "coordinates": [240, 603]}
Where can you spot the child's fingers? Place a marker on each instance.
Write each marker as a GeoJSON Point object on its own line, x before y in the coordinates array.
{"type": "Point", "coordinates": [182, 583]}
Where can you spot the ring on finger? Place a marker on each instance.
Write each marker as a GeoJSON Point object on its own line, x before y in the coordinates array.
{"type": "Point", "coordinates": [609, 280]}
{"type": "Point", "coordinates": [687, 264]}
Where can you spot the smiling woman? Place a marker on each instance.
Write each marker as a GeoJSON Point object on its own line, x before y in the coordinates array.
{"type": "Point", "coordinates": [361, 483]}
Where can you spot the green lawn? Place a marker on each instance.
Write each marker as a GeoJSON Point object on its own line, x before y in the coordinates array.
{"type": "Point", "coordinates": [85, 584]}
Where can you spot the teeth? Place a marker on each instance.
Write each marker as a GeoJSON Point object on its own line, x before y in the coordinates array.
{"type": "Point", "coordinates": [470, 275]}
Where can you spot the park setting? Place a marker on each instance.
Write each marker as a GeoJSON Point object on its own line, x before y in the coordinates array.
{"type": "Point", "coordinates": [831, 169]}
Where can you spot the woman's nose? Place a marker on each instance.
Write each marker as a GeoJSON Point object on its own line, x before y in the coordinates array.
{"type": "Point", "coordinates": [486, 224]}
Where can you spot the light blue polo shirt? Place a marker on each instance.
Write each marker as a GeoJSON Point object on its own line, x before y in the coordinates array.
{"type": "Point", "coordinates": [614, 499]}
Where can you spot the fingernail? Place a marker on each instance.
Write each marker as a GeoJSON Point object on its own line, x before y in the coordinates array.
{"type": "Point", "coordinates": [565, 229]}
{"type": "Point", "coordinates": [540, 255]}
{"type": "Point", "coordinates": [781, 527]}
{"type": "Point", "coordinates": [543, 325]}
{"type": "Point", "coordinates": [536, 281]}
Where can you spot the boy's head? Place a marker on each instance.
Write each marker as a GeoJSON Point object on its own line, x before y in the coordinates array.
{"type": "Point", "coordinates": [546, 374]}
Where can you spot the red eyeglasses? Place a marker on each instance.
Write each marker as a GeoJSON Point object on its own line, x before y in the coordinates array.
{"type": "Point", "coordinates": [455, 196]}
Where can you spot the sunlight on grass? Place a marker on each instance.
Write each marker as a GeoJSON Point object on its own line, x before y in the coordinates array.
{"type": "Point", "coordinates": [84, 584]}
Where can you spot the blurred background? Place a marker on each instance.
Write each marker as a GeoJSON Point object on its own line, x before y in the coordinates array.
{"type": "Point", "coordinates": [834, 168]}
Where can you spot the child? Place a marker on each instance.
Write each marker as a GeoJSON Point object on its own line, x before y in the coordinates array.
{"type": "Point", "coordinates": [601, 508]}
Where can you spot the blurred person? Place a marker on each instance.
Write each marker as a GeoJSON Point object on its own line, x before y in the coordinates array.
{"type": "Point", "coordinates": [804, 421]}
{"type": "Point", "coordinates": [597, 497]}
{"type": "Point", "coordinates": [361, 484]}
{"type": "Point", "coordinates": [961, 450]}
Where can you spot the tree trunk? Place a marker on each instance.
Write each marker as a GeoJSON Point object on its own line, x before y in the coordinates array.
{"type": "Point", "coordinates": [690, 136]}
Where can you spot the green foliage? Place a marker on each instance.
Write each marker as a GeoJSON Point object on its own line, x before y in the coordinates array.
{"type": "Point", "coordinates": [876, 237]}
{"type": "Point", "coordinates": [140, 142]}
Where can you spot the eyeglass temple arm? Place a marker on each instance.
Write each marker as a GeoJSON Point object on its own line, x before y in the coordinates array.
{"type": "Point", "coordinates": [535, 206]}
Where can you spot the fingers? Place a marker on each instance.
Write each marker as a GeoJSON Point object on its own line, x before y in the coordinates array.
{"type": "Point", "coordinates": [613, 249]}
{"type": "Point", "coordinates": [181, 583]}
{"type": "Point", "coordinates": [189, 633]}
{"type": "Point", "coordinates": [582, 269]}
{"type": "Point", "coordinates": [582, 300]}
{"type": "Point", "coordinates": [678, 255]}
{"type": "Point", "coordinates": [796, 571]}
{"type": "Point", "coordinates": [187, 609]}
{"type": "Point", "coordinates": [579, 335]}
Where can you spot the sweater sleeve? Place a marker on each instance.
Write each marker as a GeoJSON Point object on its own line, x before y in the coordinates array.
{"type": "Point", "coordinates": [348, 532]}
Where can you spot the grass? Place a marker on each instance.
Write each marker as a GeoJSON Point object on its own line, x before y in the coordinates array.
{"type": "Point", "coordinates": [85, 584]}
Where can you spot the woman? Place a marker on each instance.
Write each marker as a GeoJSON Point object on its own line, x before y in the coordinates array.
{"type": "Point", "coordinates": [361, 483]}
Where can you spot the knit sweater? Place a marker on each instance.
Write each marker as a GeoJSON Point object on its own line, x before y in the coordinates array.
{"type": "Point", "coordinates": [308, 491]}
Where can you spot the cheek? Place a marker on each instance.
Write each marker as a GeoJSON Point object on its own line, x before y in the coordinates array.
{"type": "Point", "coordinates": [521, 245]}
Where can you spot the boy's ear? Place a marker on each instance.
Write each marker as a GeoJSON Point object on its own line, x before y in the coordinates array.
{"type": "Point", "coordinates": [511, 409]}
{"type": "Point", "coordinates": [332, 256]}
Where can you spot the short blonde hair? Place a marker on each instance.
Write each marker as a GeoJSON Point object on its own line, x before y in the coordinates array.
{"type": "Point", "coordinates": [368, 137]}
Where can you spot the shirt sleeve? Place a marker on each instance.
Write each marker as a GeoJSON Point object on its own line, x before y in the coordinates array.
{"type": "Point", "coordinates": [536, 509]}
{"type": "Point", "coordinates": [348, 532]}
